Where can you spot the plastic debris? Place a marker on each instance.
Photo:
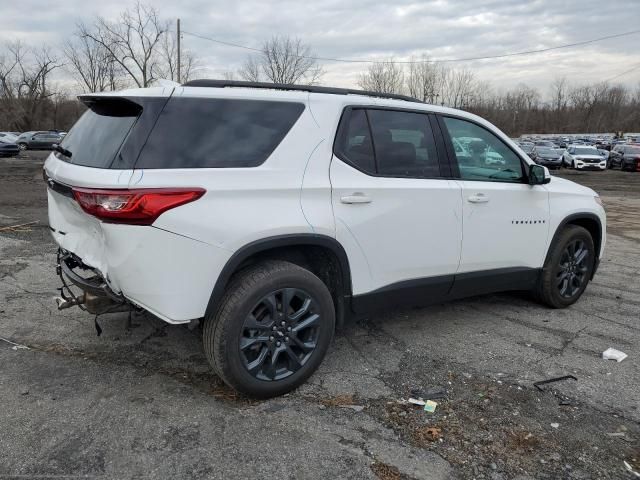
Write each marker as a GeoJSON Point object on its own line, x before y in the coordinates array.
{"type": "Point", "coordinates": [417, 401]}
{"type": "Point", "coordinates": [555, 425]}
{"type": "Point", "coordinates": [613, 354]}
{"type": "Point", "coordinates": [430, 406]}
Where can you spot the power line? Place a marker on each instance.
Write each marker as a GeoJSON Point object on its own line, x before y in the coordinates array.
{"type": "Point", "coordinates": [623, 73]}
{"type": "Point", "coordinates": [467, 59]}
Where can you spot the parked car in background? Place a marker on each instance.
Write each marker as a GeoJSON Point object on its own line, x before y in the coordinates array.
{"type": "Point", "coordinates": [545, 143]}
{"type": "Point", "coordinates": [38, 140]}
{"type": "Point", "coordinates": [604, 154]}
{"type": "Point", "coordinates": [582, 157]}
{"type": "Point", "coordinates": [8, 137]}
{"type": "Point", "coordinates": [527, 147]}
{"type": "Point", "coordinates": [549, 157]}
{"type": "Point", "coordinates": [8, 148]}
{"type": "Point", "coordinates": [625, 157]}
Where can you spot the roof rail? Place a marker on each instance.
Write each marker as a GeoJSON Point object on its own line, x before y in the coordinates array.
{"type": "Point", "coordinates": [302, 88]}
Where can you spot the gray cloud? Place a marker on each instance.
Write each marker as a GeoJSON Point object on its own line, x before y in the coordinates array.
{"type": "Point", "coordinates": [368, 29]}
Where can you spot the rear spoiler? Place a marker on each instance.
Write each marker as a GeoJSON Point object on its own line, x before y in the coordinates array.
{"type": "Point", "coordinates": [111, 106]}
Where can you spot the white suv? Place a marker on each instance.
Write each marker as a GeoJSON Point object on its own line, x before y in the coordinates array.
{"type": "Point", "coordinates": [276, 212]}
{"type": "Point", "coordinates": [582, 157]}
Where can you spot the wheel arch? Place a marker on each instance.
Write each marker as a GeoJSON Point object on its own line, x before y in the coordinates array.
{"type": "Point", "coordinates": [322, 255]}
{"type": "Point", "coordinates": [589, 221]}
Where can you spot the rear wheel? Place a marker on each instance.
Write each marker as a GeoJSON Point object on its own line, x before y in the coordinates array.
{"type": "Point", "coordinates": [272, 329]}
{"type": "Point", "coordinates": [568, 268]}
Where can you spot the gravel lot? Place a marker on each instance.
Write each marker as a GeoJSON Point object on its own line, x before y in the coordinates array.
{"type": "Point", "coordinates": [141, 402]}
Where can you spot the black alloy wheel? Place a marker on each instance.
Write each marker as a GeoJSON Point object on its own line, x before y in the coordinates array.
{"type": "Point", "coordinates": [573, 268]}
{"type": "Point", "coordinates": [568, 267]}
{"type": "Point", "coordinates": [280, 334]}
{"type": "Point", "coordinates": [271, 329]}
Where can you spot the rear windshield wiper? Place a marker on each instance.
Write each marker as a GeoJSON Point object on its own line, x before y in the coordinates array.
{"type": "Point", "coordinates": [62, 150]}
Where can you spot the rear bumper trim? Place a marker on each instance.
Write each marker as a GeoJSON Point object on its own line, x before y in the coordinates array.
{"type": "Point", "coordinates": [56, 186]}
{"type": "Point", "coordinates": [95, 285]}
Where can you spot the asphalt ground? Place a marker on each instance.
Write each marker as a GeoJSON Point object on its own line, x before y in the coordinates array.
{"type": "Point", "coordinates": [140, 401]}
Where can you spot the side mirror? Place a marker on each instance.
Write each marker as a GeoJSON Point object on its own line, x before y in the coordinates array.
{"type": "Point", "coordinates": [538, 175]}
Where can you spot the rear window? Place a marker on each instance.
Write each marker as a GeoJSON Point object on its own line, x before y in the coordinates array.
{"type": "Point", "coordinates": [97, 136]}
{"type": "Point", "coordinates": [215, 133]}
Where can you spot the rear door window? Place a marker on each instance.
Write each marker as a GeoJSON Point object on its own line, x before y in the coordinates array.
{"type": "Point", "coordinates": [403, 144]}
{"type": "Point", "coordinates": [388, 143]}
{"type": "Point", "coordinates": [217, 133]}
{"type": "Point", "coordinates": [356, 146]}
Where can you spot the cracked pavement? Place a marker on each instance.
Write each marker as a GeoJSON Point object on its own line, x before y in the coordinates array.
{"type": "Point", "coordinates": [142, 402]}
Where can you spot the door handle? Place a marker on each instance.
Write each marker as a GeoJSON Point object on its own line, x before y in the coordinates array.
{"type": "Point", "coordinates": [478, 198]}
{"type": "Point", "coordinates": [356, 197]}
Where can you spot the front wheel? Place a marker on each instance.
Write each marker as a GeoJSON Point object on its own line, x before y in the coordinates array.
{"type": "Point", "coordinates": [22, 146]}
{"type": "Point", "coordinates": [272, 329]}
{"type": "Point", "coordinates": [568, 268]}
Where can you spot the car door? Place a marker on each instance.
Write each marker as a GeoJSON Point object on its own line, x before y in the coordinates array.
{"type": "Point", "coordinates": [566, 156]}
{"type": "Point", "coordinates": [397, 215]}
{"type": "Point", "coordinates": [36, 140]}
{"type": "Point", "coordinates": [505, 220]}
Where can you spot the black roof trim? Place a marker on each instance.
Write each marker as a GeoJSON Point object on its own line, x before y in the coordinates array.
{"type": "Point", "coordinates": [302, 88]}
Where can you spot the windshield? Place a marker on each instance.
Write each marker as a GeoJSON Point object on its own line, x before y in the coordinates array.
{"type": "Point", "coordinates": [545, 151]}
{"type": "Point", "coordinates": [586, 151]}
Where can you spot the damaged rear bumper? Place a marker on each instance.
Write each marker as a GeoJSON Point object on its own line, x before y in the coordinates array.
{"type": "Point", "coordinates": [96, 297]}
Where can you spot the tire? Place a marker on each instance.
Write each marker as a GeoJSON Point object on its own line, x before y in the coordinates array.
{"type": "Point", "coordinates": [549, 288]}
{"type": "Point", "coordinates": [254, 297]}
{"type": "Point", "coordinates": [22, 146]}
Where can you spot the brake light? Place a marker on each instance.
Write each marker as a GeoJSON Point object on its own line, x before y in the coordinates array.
{"type": "Point", "coordinates": [136, 206]}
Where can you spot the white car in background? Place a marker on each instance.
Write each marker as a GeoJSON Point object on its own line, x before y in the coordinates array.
{"type": "Point", "coordinates": [582, 157]}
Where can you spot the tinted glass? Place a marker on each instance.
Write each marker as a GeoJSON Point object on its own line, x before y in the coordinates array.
{"type": "Point", "coordinates": [205, 133]}
{"type": "Point", "coordinates": [355, 146]}
{"type": "Point", "coordinates": [481, 155]}
{"type": "Point", "coordinates": [97, 136]}
{"type": "Point", "coordinates": [586, 151]}
{"type": "Point", "coordinates": [403, 144]}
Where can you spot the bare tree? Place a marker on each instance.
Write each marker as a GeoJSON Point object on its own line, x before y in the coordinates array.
{"type": "Point", "coordinates": [384, 77]}
{"type": "Point", "coordinates": [228, 75]}
{"type": "Point", "coordinates": [459, 88]}
{"type": "Point", "coordinates": [168, 67]}
{"type": "Point", "coordinates": [251, 70]}
{"type": "Point", "coordinates": [424, 80]}
{"type": "Point", "coordinates": [134, 41]}
{"type": "Point", "coordinates": [24, 77]}
{"type": "Point", "coordinates": [282, 59]}
{"type": "Point", "coordinates": [92, 64]}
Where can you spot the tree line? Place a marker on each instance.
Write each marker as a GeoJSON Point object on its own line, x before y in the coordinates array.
{"type": "Point", "coordinates": [139, 48]}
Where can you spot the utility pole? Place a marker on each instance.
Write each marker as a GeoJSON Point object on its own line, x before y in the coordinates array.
{"type": "Point", "coordinates": [178, 45]}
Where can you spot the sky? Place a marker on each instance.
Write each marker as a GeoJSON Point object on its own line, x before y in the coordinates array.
{"type": "Point", "coordinates": [375, 30]}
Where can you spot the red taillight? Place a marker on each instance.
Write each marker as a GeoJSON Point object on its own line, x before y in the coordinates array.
{"type": "Point", "coordinates": [137, 206]}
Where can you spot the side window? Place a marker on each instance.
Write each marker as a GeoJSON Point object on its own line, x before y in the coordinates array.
{"type": "Point", "coordinates": [403, 144]}
{"type": "Point", "coordinates": [355, 145]}
{"type": "Point", "coordinates": [217, 133]}
{"type": "Point", "coordinates": [483, 156]}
